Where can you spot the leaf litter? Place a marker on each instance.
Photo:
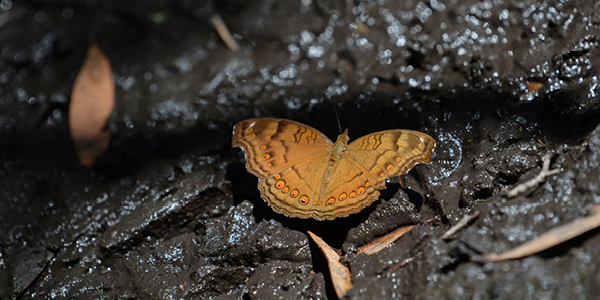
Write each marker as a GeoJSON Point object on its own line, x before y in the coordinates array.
{"type": "Point", "coordinates": [340, 274]}
{"type": "Point", "coordinates": [92, 102]}
{"type": "Point", "coordinates": [385, 241]}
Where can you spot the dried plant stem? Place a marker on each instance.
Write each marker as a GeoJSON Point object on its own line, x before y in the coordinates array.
{"type": "Point", "coordinates": [548, 239]}
{"type": "Point", "coordinates": [460, 225]}
{"type": "Point", "coordinates": [224, 33]}
{"type": "Point", "coordinates": [523, 187]}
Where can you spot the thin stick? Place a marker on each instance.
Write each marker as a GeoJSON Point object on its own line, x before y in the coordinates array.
{"type": "Point", "coordinates": [548, 239]}
{"type": "Point", "coordinates": [224, 33]}
{"type": "Point", "coordinates": [401, 265]}
{"type": "Point", "coordinates": [523, 187]}
{"type": "Point", "coordinates": [460, 225]}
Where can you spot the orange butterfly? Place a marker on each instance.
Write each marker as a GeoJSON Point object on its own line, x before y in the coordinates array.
{"type": "Point", "coordinates": [304, 174]}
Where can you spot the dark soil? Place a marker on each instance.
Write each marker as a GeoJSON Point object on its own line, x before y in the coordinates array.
{"type": "Point", "coordinates": [169, 211]}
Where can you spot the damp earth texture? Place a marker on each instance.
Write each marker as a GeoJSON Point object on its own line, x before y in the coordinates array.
{"type": "Point", "coordinates": [169, 210]}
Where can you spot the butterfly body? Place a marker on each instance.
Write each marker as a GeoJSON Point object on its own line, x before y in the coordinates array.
{"type": "Point", "coordinates": [304, 174]}
{"type": "Point", "coordinates": [339, 147]}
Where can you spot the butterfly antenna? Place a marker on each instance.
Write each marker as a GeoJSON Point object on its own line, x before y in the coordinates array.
{"type": "Point", "coordinates": [336, 114]}
{"type": "Point", "coordinates": [362, 111]}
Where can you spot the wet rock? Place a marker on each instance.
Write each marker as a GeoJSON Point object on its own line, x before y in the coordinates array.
{"type": "Point", "coordinates": [29, 267]}
{"type": "Point", "coordinates": [293, 280]}
{"type": "Point", "coordinates": [168, 211]}
{"type": "Point", "coordinates": [387, 217]}
{"type": "Point", "coordinates": [237, 255]}
{"type": "Point", "coordinates": [389, 274]}
{"type": "Point", "coordinates": [498, 86]}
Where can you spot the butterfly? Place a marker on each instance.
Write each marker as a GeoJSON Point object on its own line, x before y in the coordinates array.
{"type": "Point", "coordinates": [303, 174]}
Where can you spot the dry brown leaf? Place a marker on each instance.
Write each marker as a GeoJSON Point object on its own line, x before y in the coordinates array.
{"type": "Point", "coordinates": [92, 101]}
{"type": "Point", "coordinates": [533, 86]}
{"type": "Point", "coordinates": [385, 241]}
{"type": "Point", "coordinates": [550, 238]}
{"type": "Point", "coordinates": [340, 274]}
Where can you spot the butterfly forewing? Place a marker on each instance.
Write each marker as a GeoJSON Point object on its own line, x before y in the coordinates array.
{"type": "Point", "coordinates": [390, 153]}
{"type": "Point", "coordinates": [273, 145]}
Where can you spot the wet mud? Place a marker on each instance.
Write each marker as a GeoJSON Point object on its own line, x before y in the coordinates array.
{"type": "Point", "coordinates": [169, 211]}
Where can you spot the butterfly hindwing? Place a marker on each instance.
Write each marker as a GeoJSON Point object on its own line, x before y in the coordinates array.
{"type": "Point", "coordinates": [315, 189]}
{"type": "Point", "coordinates": [348, 190]}
{"type": "Point", "coordinates": [295, 191]}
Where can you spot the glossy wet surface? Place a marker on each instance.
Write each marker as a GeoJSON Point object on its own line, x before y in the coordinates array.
{"type": "Point", "coordinates": [170, 211]}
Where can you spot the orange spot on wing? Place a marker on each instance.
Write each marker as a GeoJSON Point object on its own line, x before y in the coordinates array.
{"type": "Point", "coordinates": [280, 184]}
{"type": "Point", "coordinates": [330, 201]}
{"type": "Point", "coordinates": [303, 200]}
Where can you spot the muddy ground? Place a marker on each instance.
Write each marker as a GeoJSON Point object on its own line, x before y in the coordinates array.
{"type": "Point", "coordinates": [169, 211]}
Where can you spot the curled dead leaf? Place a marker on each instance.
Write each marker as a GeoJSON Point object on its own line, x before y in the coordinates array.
{"type": "Point", "coordinates": [340, 274]}
{"type": "Point", "coordinates": [92, 101]}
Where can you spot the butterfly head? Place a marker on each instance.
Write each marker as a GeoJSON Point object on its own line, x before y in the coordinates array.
{"type": "Point", "coordinates": [339, 147]}
{"type": "Point", "coordinates": [343, 138]}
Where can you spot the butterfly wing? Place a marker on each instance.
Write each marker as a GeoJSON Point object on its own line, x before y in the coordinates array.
{"type": "Point", "coordinates": [347, 190]}
{"type": "Point", "coordinates": [354, 181]}
{"type": "Point", "coordinates": [273, 145]}
{"type": "Point", "coordinates": [296, 191]}
{"type": "Point", "coordinates": [390, 153]}
{"type": "Point", "coordinates": [289, 159]}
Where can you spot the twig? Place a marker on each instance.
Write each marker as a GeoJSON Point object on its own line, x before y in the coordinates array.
{"type": "Point", "coordinates": [548, 239]}
{"type": "Point", "coordinates": [523, 187]}
{"type": "Point", "coordinates": [460, 225]}
{"type": "Point", "coordinates": [401, 265]}
{"type": "Point", "coordinates": [436, 218]}
{"type": "Point", "coordinates": [224, 33]}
